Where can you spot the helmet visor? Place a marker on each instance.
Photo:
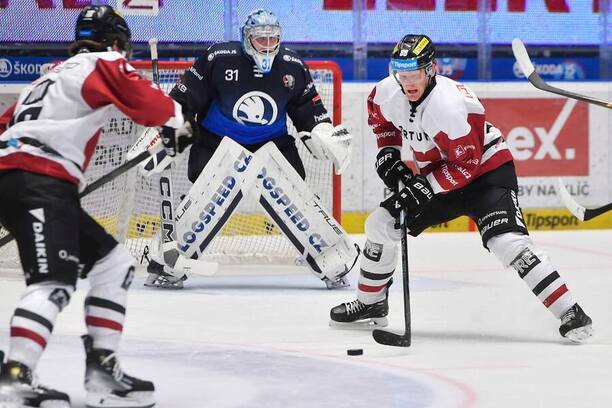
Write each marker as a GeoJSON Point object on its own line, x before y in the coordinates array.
{"type": "Point", "coordinates": [265, 39]}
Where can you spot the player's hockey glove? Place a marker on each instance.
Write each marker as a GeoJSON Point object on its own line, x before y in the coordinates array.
{"type": "Point", "coordinates": [413, 197]}
{"type": "Point", "coordinates": [177, 140]}
{"type": "Point", "coordinates": [391, 169]}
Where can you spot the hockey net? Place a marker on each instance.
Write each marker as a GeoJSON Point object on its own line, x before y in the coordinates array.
{"type": "Point", "coordinates": [129, 206]}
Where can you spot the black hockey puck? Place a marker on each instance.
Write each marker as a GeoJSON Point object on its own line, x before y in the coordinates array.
{"type": "Point", "coordinates": [354, 352]}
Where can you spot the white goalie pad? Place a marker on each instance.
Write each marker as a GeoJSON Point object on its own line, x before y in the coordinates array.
{"type": "Point", "coordinates": [213, 197]}
{"type": "Point", "coordinates": [326, 142]}
{"type": "Point", "coordinates": [299, 213]}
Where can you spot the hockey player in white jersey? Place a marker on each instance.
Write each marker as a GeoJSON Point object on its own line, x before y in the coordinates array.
{"type": "Point", "coordinates": [45, 151]}
{"type": "Point", "coordinates": [246, 90]}
{"type": "Point", "coordinates": [464, 168]}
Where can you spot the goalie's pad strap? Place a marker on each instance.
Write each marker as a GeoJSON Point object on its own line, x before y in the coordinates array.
{"type": "Point", "coordinates": [299, 213]}
{"type": "Point", "coordinates": [229, 173]}
{"type": "Point", "coordinates": [280, 223]}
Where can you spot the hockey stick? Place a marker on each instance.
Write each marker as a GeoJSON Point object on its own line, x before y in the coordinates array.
{"type": "Point", "coordinates": [522, 57]}
{"type": "Point", "coordinates": [579, 211]}
{"type": "Point", "coordinates": [168, 226]}
{"type": "Point", "coordinates": [110, 176]}
{"type": "Point", "coordinates": [386, 337]}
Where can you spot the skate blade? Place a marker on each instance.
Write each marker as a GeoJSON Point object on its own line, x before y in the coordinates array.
{"type": "Point", "coordinates": [579, 335]}
{"type": "Point", "coordinates": [369, 324]}
{"type": "Point", "coordinates": [12, 402]}
{"type": "Point", "coordinates": [143, 399]}
{"type": "Point", "coordinates": [55, 404]}
{"type": "Point", "coordinates": [155, 281]}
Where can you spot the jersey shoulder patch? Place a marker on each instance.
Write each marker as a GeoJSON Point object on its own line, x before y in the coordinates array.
{"type": "Point", "coordinates": [290, 56]}
{"type": "Point", "coordinates": [223, 49]}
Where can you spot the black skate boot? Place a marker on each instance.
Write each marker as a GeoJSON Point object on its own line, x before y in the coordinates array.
{"type": "Point", "coordinates": [158, 278]}
{"type": "Point", "coordinates": [108, 386]}
{"type": "Point", "coordinates": [18, 389]}
{"type": "Point", "coordinates": [576, 326]}
{"type": "Point", "coordinates": [357, 314]}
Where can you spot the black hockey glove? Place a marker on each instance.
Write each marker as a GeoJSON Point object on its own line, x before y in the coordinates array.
{"type": "Point", "coordinates": [413, 197]}
{"type": "Point", "coordinates": [391, 169]}
{"type": "Point", "coordinates": [177, 140]}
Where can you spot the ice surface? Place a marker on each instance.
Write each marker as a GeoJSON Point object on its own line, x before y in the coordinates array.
{"type": "Point", "coordinates": [480, 337]}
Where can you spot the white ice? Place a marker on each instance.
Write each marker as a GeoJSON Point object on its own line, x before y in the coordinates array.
{"type": "Point", "coordinates": [480, 337]}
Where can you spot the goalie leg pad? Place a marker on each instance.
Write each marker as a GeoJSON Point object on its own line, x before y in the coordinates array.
{"type": "Point", "coordinates": [299, 213]}
{"type": "Point", "coordinates": [534, 268]}
{"type": "Point", "coordinates": [213, 197]}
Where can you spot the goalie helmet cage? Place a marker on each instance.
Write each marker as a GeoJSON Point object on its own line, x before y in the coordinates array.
{"type": "Point", "coordinates": [128, 207]}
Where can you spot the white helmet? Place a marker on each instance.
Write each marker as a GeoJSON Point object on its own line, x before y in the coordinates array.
{"type": "Point", "coordinates": [260, 37]}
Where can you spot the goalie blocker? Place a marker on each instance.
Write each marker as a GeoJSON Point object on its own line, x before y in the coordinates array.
{"type": "Point", "coordinates": [292, 206]}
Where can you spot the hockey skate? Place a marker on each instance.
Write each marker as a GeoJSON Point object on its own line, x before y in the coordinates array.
{"type": "Point", "coordinates": [108, 386]}
{"type": "Point", "coordinates": [576, 326]}
{"type": "Point", "coordinates": [358, 315]}
{"type": "Point", "coordinates": [19, 389]}
{"type": "Point", "coordinates": [158, 278]}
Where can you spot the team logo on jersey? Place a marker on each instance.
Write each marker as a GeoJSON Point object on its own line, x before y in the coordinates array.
{"type": "Point", "coordinates": [289, 81]}
{"type": "Point", "coordinates": [255, 107]}
{"type": "Point", "coordinates": [6, 68]}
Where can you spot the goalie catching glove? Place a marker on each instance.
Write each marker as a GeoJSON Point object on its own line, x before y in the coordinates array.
{"type": "Point", "coordinates": [326, 142]}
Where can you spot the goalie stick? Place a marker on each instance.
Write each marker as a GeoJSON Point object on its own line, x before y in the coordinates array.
{"type": "Point", "coordinates": [167, 224]}
{"type": "Point", "coordinates": [522, 57]}
{"type": "Point", "coordinates": [386, 337]}
{"type": "Point", "coordinates": [579, 211]}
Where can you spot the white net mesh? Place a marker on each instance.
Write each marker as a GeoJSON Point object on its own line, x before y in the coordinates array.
{"type": "Point", "coordinates": [129, 206]}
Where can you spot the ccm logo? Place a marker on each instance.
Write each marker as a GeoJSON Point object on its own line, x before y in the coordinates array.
{"type": "Point", "coordinates": [547, 137]}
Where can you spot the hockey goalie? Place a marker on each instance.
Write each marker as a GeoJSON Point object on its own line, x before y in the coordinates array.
{"type": "Point", "coordinates": [246, 90]}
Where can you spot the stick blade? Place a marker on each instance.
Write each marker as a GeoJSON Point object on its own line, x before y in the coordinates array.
{"type": "Point", "coordinates": [522, 57]}
{"type": "Point", "coordinates": [392, 339]}
{"type": "Point", "coordinates": [569, 201]}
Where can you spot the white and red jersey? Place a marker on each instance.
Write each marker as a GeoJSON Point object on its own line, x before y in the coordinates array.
{"type": "Point", "coordinates": [57, 120]}
{"type": "Point", "coordinates": [451, 143]}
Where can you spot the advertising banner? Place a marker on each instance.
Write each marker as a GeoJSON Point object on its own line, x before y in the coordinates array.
{"type": "Point", "coordinates": [445, 21]}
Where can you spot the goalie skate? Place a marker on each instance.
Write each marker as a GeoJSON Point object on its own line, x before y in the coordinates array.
{"type": "Point", "coordinates": [108, 386]}
{"type": "Point", "coordinates": [341, 282]}
{"type": "Point", "coordinates": [158, 278]}
{"type": "Point", "coordinates": [576, 326]}
{"type": "Point", "coordinates": [19, 389]}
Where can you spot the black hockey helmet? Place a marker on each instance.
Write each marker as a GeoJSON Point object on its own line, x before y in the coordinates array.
{"type": "Point", "coordinates": [104, 25]}
{"type": "Point", "coordinates": [412, 52]}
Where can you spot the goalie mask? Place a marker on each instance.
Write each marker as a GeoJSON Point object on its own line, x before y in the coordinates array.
{"type": "Point", "coordinates": [103, 25]}
{"type": "Point", "coordinates": [260, 37]}
{"type": "Point", "coordinates": [412, 53]}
